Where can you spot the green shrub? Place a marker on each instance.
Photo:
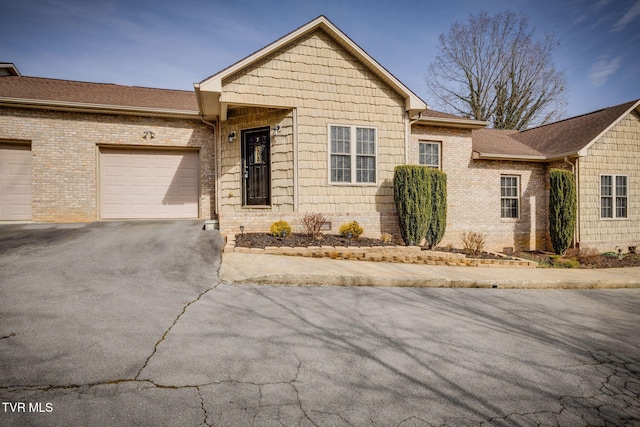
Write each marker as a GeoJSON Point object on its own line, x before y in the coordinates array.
{"type": "Point", "coordinates": [278, 227]}
{"type": "Point", "coordinates": [420, 194]}
{"type": "Point", "coordinates": [351, 227]}
{"type": "Point", "coordinates": [438, 223]}
{"type": "Point", "coordinates": [411, 192]}
{"type": "Point", "coordinates": [562, 209]}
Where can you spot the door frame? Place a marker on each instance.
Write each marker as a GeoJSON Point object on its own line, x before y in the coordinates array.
{"type": "Point", "coordinates": [244, 172]}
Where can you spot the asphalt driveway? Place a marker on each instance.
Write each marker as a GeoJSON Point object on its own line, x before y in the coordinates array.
{"type": "Point", "coordinates": [126, 324]}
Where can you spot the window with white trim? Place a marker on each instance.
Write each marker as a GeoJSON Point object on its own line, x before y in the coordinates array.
{"type": "Point", "coordinates": [509, 196]}
{"type": "Point", "coordinates": [346, 157]}
{"type": "Point", "coordinates": [429, 154]}
{"type": "Point", "coordinates": [613, 196]}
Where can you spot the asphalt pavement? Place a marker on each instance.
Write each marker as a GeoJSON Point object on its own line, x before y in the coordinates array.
{"type": "Point", "coordinates": [129, 323]}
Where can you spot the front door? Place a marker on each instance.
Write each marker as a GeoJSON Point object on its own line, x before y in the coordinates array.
{"type": "Point", "coordinates": [256, 165]}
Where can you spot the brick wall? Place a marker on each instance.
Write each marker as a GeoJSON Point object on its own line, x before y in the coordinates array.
{"type": "Point", "coordinates": [64, 147]}
{"type": "Point", "coordinates": [473, 192]}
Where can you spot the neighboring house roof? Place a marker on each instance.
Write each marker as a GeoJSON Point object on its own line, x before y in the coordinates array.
{"type": "Point", "coordinates": [38, 92]}
{"type": "Point", "coordinates": [209, 89]}
{"type": "Point", "coordinates": [438, 118]}
{"type": "Point", "coordinates": [569, 137]}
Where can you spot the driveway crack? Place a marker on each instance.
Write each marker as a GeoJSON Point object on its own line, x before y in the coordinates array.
{"type": "Point", "coordinates": [155, 347]}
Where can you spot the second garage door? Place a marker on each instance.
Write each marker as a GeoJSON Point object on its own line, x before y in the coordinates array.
{"type": "Point", "coordinates": [148, 184]}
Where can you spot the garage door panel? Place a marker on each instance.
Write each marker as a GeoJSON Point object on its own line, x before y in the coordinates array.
{"type": "Point", "coordinates": [149, 184]}
{"type": "Point", "coordinates": [15, 183]}
{"type": "Point", "coordinates": [140, 172]}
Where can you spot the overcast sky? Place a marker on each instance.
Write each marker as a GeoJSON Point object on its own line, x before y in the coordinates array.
{"type": "Point", "coordinates": [172, 44]}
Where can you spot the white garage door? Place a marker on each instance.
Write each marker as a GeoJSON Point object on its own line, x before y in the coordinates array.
{"type": "Point", "coordinates": [15, 183]}
{"type": "Point", "coordinates": [148, 184]}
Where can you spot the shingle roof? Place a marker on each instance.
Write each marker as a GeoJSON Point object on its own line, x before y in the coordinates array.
{"type": "Point", "coordinates": [438, 118]}
{"type": "Point", "coordinates": [97, 94]}
{"type": "Point", "coordinates": [573, 134]}
{"type": "Point", "coordinates": [500, 142]}
{"type": "Point", "coordinates": [555, 139]}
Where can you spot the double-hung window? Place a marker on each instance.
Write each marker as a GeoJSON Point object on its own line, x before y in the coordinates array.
{"type": "Point", "coordinates": [429, 154]}
{"type": "Point", "coordinates": [509, 196]}
{"type": "Point", "coordinates": [353, 154]}
{"type": "Point", "coordinates": [613, 196]}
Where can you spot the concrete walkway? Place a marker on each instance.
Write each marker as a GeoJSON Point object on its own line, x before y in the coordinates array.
{"type": "Point", "coordinates": [246, 268]}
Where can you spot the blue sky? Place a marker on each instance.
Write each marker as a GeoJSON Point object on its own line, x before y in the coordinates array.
{"type": "Point", "coordinates": [172, 44]}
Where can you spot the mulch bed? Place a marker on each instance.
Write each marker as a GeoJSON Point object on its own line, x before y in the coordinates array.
{"type": "Point", "coordinates": [591, 261]}
{"type": "Point", "coordinates": [298, 240]}
{"type": "Point", "coordinates": [262, 240]}
{"type": "Point", "coordinates": [471, 254]}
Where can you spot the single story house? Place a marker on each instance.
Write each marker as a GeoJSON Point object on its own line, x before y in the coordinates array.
{"type": "Point", "coordinates": [309, 124]}
{"type": "Point", "coordinates": [602, 148]}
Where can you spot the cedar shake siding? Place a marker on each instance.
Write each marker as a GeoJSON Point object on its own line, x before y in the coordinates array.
{"type": "Point", "coordinates": [325, 85]}
{"type": "Point", "coordinates": [617, 152]}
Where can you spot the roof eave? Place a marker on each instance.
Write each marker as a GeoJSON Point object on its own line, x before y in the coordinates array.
{"type": "Point", "coordinates": [477, 155]}
{"type": "Point", "coordinates": [450, 122]}
{"type": "Point", "coordinates": [95, 108]}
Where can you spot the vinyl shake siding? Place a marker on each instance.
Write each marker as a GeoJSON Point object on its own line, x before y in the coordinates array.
{"type": "Point", "coordinates": [325, 85]}
{"type": "Point", "coordinates": [617, 152]}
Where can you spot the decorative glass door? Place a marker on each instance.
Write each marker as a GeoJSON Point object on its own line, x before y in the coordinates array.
{"type": "Point", "coordinates": [256, 165]}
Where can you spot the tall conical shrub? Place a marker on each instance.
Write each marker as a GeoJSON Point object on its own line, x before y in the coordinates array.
{"type": "Point", "coordinates": [412, 194]}
{"type": "Point", "coordinates": [562, 209]}
{"type": "Point", "coordinates": [438, 223]}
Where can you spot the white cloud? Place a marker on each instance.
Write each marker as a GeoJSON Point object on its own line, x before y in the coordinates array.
{"type": "Point", "coordinates": [600, 4]}
{"type": "Point", "coordinates": [602, 70]}
{"type": "Point", "coordinates": [628, 17]}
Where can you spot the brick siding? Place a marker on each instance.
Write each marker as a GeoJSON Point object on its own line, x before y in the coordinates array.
{"type": "Point", "coordinates": [64, 148]}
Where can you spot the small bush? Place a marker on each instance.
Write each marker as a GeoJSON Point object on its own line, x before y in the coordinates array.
{"type": "Point", "coordinates": [278, 227]}
{"type": "Point", "coordinates": [561, 262]}
{"type": "Point", "coordinates": [473, 241]}
{"type": "Point", "coordinates": [386, 238]}
{"type": "Point", "coordinates": [313, 224]}
{"type": "Point", "coordinates": [351, 227]}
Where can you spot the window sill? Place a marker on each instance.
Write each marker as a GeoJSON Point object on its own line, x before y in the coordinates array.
{"type": "Point", "coordinates": [509, 220]}
{"type": "Point", "coordinates": [353, 184]}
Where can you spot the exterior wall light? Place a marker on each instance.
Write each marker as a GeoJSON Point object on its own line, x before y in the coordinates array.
{"type": "Point", "coordinates": [276, 129]}
{"type": "Point", "coordinates": [232, 136]}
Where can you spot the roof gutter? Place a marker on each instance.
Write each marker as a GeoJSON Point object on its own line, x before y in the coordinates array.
{"type": "Point", "coordinates": [450, 122]}
{"type": "Point", "coordinates": [515, 157]}
{"type": "Point", "coordinates": [95, 108]}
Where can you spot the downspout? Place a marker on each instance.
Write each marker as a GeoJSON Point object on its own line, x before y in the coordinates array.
{"type": "Point", "coordinates": [218, 197]}
{"type": "Point", "coordinates": [296, 206]}
{"type": "Point", "coordinates": [578, 223]}
{"type": "Point", "coordinates": [215, 148]}
{"type": "Point", "coordinates": [576, 230]}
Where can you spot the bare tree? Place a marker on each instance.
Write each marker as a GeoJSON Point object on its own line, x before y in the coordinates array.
{"type": "Point", "coordinates": [491, 68]}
